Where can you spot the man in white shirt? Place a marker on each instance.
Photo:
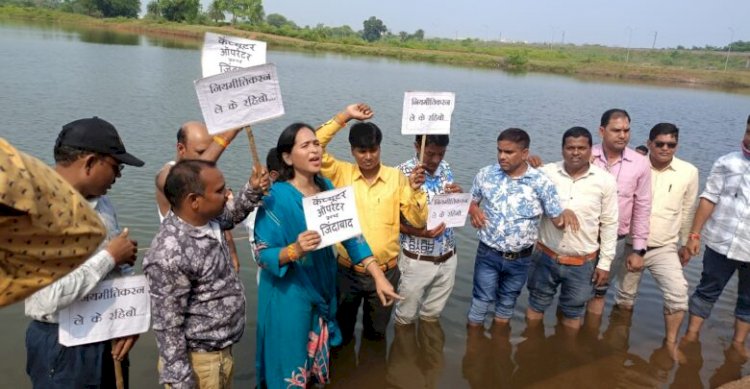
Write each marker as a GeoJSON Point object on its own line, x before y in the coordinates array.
{"type": "Point", "coordinates": [575, 261]}
{"type": "Point", "coordinates": [89, 155]}
{"type": "Point", "coordinates": [722, 221]}
{"type": "Point", "coordinates": [674, 189]}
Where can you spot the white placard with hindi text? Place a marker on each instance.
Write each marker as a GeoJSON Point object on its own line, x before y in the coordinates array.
{"type": "Point", "coordinates": [333, 214]}
{"type": "Point", "coordinates": [427, 113]}
{"type": "Point", "coordinates": [115, 308]}
{"type": "Point", "coordinates": [240, 97]}
{"type": "Point", "coordinates": [450, 209]}
{"type": "Point", "coordinates": [222, 53]}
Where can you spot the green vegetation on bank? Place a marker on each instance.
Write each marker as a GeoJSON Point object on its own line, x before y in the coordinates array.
{"type": "Point", "coordinates": [697, 68]}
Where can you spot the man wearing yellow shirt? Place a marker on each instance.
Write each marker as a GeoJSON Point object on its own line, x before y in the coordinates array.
{"type": "Point", "coordinates": [383, 195]}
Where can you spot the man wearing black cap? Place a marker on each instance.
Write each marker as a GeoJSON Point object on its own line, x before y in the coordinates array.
{"type": "Point", "coordinates": [90, 156]}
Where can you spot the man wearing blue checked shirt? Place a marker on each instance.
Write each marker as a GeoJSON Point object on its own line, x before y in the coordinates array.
{"type": "Point", "coordinates": [723, 220]}
{"type": "Point", "coordinates": [428, 258]}
{"type": "Point", "coordinates": [508, 200]}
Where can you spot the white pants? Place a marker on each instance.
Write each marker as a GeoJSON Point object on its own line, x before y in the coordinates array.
{"type": "Point", "coordinates": [425, 287]}
{"type": "Point", "coordinates": [664, 265]}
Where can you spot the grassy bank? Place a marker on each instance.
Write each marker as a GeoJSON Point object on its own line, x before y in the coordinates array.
{"type": "Point", "coordinates": [687, 68]}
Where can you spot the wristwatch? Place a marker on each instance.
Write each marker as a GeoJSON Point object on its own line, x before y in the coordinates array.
{"type": "Point", "coordinates": [641, 252]}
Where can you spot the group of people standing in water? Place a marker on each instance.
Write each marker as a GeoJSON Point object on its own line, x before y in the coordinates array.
{"type": "Point", "coordinates": [602, 215]}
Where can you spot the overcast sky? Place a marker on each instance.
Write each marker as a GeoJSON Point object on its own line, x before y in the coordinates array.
{"type": "Point", "coordinates": [686, 22]}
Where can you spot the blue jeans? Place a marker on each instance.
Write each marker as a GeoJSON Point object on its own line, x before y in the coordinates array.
{"type": "Point", "coordinates": [496, 280]}
{"type": "Point", "coordinates": [717, 270]}
{"type": "Point", "coordinates": [575, 284]}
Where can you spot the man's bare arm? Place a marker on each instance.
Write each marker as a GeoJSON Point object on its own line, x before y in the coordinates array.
{"type": "Point", "coordinates": [161, 199]}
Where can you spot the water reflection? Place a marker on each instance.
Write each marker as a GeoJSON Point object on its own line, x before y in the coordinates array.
{"type": "Point", "coordinates": [730, 370]}
{"type": "Point", "coordinates": [416, 356]}
{"type": "Point", "coordinates": [109, 37]}
{"type": "Point", "coordinates": [569, 358]}
{"type": "Point", "coordinates": [103, 35]}
{"type": "Point", "coordinates": [359, 368]}
{"type": "Point", "coordinates": [487, 362]}
{"type": "Point", "coordinates": [173, 42]}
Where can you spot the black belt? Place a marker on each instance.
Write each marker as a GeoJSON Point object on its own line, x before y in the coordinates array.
{"type": "Point", "coordinates": [436, 259]}
{"type": "Point", "coordinates": [621, 237]}
{"type": "Point", "coordinates": [513, 255]}
{"type": "Point", "coordinates": [649, 248]}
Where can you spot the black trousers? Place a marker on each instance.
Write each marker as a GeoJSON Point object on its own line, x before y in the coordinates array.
{"type": "Point", "coordinates": [357, 289]}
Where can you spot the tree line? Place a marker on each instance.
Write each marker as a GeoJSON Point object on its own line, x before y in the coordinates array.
{"type": "Point", "coordinates": [244, 13]}
{"type": "Point", "coordinates": [738, 46]}
{"type": "Point", "coordinates": [250, 15]}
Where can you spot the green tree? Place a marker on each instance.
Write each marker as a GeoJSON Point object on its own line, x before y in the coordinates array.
{"type": "Point", "coordinates": [86, 7]}
{"type": "Point", "coordinates": [179, 10]}
{"type": "Point", "coordinates": [152, 10]}
{"type": "Point", "coordinates": [102, 8]}
{"type": "Point", "coordinates": [115, 8]}
{"type": "Point", "coordinates": [249, 10]}
{"type": "Point", "coordinates": [279, 21]}
{"type": "Point", "coordinates": [740, 46]}
{"type": "Point", "coordinates": [216, 11]}
{"type": "Point", "coordinates": [418, 35]}
{"type": "Point", "coordinates": [374, 29]}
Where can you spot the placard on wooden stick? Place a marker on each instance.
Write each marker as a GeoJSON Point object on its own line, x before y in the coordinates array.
{"type": "Point", "coordinates": [223, 53]}
{"type": "Point", "coordinates": [427, 113]}
{"type": "Point", "coordinates": [239, 98]}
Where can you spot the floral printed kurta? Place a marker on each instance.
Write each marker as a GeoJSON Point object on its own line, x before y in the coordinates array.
{"type": "Point", "coordinates": [197, 299]}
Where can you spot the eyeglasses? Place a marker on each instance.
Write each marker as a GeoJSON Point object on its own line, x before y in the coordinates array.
{"type": "Point", "coordinates": [659, 145]}
{"type": "Point", "coordinates": [116, 167]}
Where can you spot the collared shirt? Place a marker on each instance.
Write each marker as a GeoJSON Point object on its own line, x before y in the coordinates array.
{"type": "Point", "coordinates": [45, 304]}
{"type": "Point", "coordinates": [513, 206]}
{"type": "Point", "coordinates": [434, 184]}
{"type": "Point", "coordinates": [633, 175]}
{"type": "Point", "coordinates": [593, 198]}
{"type": "Point", "coordinates": [728, 186]}
{"type": "Point", "coordinates": [197, 299]}
{"type": "Point", "coordinates": [674, 192]}
{"type": "Point", "coordinates": [378, 203]}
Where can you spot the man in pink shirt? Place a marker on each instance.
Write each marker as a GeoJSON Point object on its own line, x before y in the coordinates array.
{"type": "Point", "coordinates": [633, 175]}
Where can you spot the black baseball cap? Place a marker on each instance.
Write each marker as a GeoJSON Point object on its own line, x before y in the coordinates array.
{"type": "Point", "coordinates": [97, 135]}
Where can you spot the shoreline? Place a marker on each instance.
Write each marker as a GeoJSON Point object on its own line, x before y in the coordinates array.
{"type": "Point", "coordinates": [734, 81]}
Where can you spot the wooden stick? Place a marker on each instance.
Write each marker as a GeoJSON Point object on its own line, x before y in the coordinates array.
{"type": "Point", "coordinates": [421, 151]}
{"type": "Point", "coordinates": [119, 381]}
{"type": "Point", "coordinates": [253, 148]}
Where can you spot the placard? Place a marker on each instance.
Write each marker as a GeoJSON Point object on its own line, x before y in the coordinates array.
{"type": "Point", "coordinates": [239, 98]}
{"type": "Point", "coordinates": [222, 53]}
{"type": "Point", "coordinates": [333, 214]}
{"type": "Point", "coordinates": [427, 113]}
{"type": "Point", "coordinates": [115, 308]}
{"type": "Point", "coordinates": [450, 208]}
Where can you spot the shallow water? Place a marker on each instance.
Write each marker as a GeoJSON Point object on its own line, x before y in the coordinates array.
{"type": "Point", "coordinates": [52, 75]}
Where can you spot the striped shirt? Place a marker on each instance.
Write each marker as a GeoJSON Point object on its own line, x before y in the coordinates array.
{"type": "Point", "coordinates": [728, 186]}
